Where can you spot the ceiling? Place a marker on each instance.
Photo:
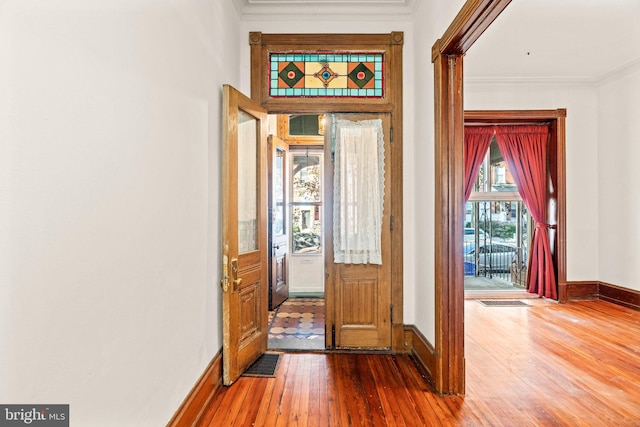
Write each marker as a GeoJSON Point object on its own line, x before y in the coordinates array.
{"type": "Point", "coordinates": [536, 40]}
{"type": "Point", "coordinates": [552, 40]}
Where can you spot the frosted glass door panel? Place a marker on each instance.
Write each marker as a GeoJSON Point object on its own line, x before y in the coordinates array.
{"type": "Point", "coordinates": [247, 183]}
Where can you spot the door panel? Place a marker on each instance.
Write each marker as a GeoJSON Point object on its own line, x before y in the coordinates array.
{"type": "Point", "coordinates": [359, 295]}
{"type": "Point", "coordinates": [279, 239]}
{"type": "Point", "coordinates": [244, 233]}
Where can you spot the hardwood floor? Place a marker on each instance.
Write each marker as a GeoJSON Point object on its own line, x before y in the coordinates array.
{"type": "Point", "coordinates": [575, 364]}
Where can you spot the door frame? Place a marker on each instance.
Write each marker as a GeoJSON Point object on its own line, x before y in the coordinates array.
{"type": "Point", "coordinates": [447, 362]}
{"type": "Point", "coordinates": [391, 44]}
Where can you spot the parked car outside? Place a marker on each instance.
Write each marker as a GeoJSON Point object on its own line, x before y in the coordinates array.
{"type": "Point", "coordinates": [470, 235]}
{"type": "Point", "coordinates": [495, 257]}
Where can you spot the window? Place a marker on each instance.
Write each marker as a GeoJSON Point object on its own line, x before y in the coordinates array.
{"type": "Point", "coordinates": [306, 209]}
{"type": "Point", "coordinates": [497, 222]}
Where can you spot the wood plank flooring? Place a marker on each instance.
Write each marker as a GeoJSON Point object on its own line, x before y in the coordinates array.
{"type": "Point", "coordinates": [575, 364]}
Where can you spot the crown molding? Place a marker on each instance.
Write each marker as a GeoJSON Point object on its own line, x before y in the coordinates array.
{"type": "Point", "coordinates": [628, 68]}
{"type": "Point", "coordinates": [341, 10]}
{"type": "Point", "coordinates": [532, 80]}
{"type": "Point", "coordinates": [619, 72]}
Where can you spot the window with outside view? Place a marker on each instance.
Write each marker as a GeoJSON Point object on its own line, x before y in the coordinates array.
{"type": "Point", "coordinates": [306, 209]}
{"type": "Point", "coordinates": [497, 227]}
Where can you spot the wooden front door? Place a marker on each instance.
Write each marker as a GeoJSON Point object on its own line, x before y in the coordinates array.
{"type": "Point", "coordinates": [278, 234]}
{"type": "Point", "coordinates": [359, 295]}
{"type": "Point", "coordinates": [244, 233]}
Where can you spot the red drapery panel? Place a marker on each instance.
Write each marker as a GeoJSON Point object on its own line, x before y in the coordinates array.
{"type": "Point", "coordinates": [476, 143]}
{"type": "Point", "coordinates": [524, 148]}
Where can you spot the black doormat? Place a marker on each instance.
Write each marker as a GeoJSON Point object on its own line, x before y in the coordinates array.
{"type": "Point", "coordinates": [265, 366]}
{"type": "Point", "coordinates": [503, 303]}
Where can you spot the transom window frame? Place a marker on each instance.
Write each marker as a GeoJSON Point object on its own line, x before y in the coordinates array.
{"type": "Point", "coordinates": [389, 45]}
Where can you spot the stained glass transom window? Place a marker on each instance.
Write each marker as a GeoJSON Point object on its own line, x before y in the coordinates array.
{"type": "Point", "coordinates": [326, 74]}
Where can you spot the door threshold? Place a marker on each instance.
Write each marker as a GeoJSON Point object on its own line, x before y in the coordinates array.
{"type": "Point", "coordinates": [499, 294]}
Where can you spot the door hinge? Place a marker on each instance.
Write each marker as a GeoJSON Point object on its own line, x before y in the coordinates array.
{"type": "Point", "coordinates": [391, 223]}
{"type": "Point", "coordinates": [392, 314]}
{"type": "Point", "coordinates": [391, 136]}
{"type": "Point", "coordinates": [333, 336]}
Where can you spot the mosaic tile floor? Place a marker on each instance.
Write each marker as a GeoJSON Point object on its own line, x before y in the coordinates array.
{"type": "Point", "coordinates": [297, 324]}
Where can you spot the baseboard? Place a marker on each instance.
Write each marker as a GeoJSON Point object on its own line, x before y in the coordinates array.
{"type": "Point", "coordinates": [587, 290]}
{"type": "Point", "coordinates": [309, 294]}
{"type": "Point", "coordinates": [191, 409]}
{"type": "Point", "coordinates": [422, 351]}
{"type": "Point", "coordinates": [583, 290]}
{"type": "Point", "coordinates": [618, 295]}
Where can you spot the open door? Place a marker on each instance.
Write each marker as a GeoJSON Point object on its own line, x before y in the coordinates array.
{"type": "Point", "coordinates": [358, 293]}
{"type": "Point", "coordinates": [244, 233]}
{"type": "Point", "coordinates": [278, 233]}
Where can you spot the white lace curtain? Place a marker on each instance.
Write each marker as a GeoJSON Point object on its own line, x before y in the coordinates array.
{"type": "Point", "coordinates": [358, 190]}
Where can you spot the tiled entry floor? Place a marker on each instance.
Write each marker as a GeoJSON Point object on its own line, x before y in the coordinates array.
{"type": "Point", "coordinates": [297, 324]}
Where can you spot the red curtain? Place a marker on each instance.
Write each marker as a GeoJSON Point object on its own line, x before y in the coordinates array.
{"type": "Point", "coordinates": [524, 148]}
{"type": "Point", "coordinates": [476, 143]}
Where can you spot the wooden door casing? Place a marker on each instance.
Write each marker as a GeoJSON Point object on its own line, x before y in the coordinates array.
{"type": "Point", "coordinates": [392, 45]}
{"type": "Point", "coordinates": [359, 294]}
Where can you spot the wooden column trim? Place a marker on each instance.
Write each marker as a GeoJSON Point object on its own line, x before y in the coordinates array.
{"type": "Point", "coordinates": [397, 286]}
{"type": "Point", "coordinates": [255, 41]}
{"type": "Point", "coordinates": [561, 197]}
{"type": "Point", "coordinates": [449, 181]}
{"type": "Point", "coordinates": [447, 55]}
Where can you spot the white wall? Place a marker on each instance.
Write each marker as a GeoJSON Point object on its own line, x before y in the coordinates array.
{"type": "Point", "coordinates": [619, 177]}
{"type": "Point", "coordinates": [431, 21]}
{"type": "Point", "coordinates": [109, 192]}
{"type": "Point", "coordinates": [580, 100]}
{"type": "Point", "coordinates": [306, 274]}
